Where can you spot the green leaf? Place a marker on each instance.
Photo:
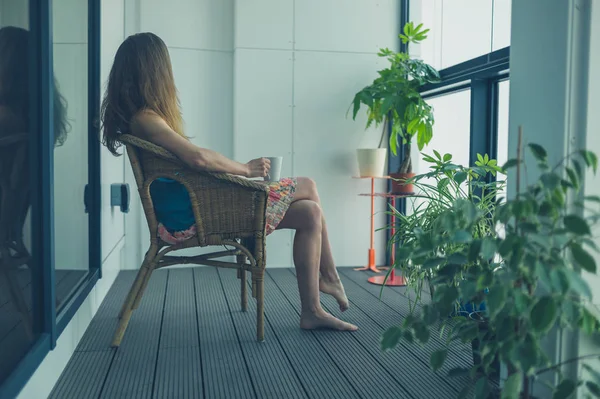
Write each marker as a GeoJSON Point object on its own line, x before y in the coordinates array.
{"type": "Point", "coordinates": [593, 372]}
{"type": "Point", "coordinates": [457, 259]}
{"type": "Point", "coordinates": [550, 180]}
{"type": "Point", "coordinates": [538, 151]}
{"type": "Point", "coordinates": [488, 248]}
{"type": "Point", "coordinates": [495, 300]}
{"type": "Point", "coordinates": [589, 323]}
{"type": "Point", "coordinates": [590, 159]}
{"type": "Point", "coordinates": [512, 387]}
{"type": "Point", "coordinates": [432, 263]}
{"type": "Point", "coordinates": [437, 155]}
{"type": "Point", "coordinates": [572, 177]}
{"type": "Point", "coordinates": [386, 105]}
{"type": "Point", "coordinates": [543, 314]}
{"type": "Point", "coordinates": [576, 225]}
{"type": "Point", "coordinates": [390, 338]}
{"type": "Point", "coordinates": [578, 284]}
{"type": "Point", "coordinates": [482, 388]}
{"type": "Point", "coordinates": [447, 157]}
{"type": "Point", "coordinates": [356, 103]}
{"type": "Point", "coordinates": [564, 390]}
{"type": "Point", "coordinates": [462, 237]}
{"type": "Point", "coordinates": [583, 258]}
{"type": "Point", "coordinates": [544, 274]}
{"type": "Point", "coordinates": [421, 332]}
{"type": "Point", "coordinates": [474, 250]}
{"type": "Point", "coordinates": [592, 198]}
{"type": "Point", "coordinates": [460, 177]}
{"type": "Point", "coordinates": [438, 358]}
{"type": "Point", "coordinates": [511, 163]}
{"type": "Point", "coordinates": [593, 388]}
{"type": "Point", "coordinates": [560, 281]}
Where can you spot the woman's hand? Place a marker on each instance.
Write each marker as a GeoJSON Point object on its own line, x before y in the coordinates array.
{"type": "Point", "coordinates": [258, 167]}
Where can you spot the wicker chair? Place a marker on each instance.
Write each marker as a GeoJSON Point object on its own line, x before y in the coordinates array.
{"type": "Point", "coordinates": [229, 211]}
{"type": "Point", "coordinates": [14, 203]}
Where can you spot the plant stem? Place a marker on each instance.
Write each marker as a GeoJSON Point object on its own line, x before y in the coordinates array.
{"type": "Point", "coordinates": [542, 371]}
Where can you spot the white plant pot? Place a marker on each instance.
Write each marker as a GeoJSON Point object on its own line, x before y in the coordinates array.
{"type": "Point", "coordinates": [371, 161]}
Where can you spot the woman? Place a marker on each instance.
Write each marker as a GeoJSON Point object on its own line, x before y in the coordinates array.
{"type": "Point", "coordinates": [141, 99]}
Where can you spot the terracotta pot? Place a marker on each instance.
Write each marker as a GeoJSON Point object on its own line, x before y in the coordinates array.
{"type": "Point", "coordinates": [398, 183]}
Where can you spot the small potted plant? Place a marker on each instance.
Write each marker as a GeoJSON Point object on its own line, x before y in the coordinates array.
{"type": "Point", "coordinates": [394, 99]}
{"type": "Point", "coordinates": [529, 278]}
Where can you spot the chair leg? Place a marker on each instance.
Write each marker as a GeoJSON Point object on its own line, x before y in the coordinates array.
{"type": "Point", "coordinates": [123, 323]}
{"type": "Point", "coordinates": [133, 291]}
{"type": "Point", "coordinates": [244, 284]}
{"type": "Point", "coordinates": [241, 260]}
{"type": "Point", "coordinates": [140, 294]}
{"type": "Point", "coordinates": [260, 308]}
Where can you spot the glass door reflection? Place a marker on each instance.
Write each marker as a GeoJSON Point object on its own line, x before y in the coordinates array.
{"type": "Point", "coordinates": [71, 227]}
{"type": "Point", "coordinates": [18, 274]}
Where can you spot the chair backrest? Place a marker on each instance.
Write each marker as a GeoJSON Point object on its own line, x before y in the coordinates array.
{"type": "Point", "coordinates": [149, 162]}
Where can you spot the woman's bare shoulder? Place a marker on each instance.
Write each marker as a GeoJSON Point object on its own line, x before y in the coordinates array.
{"type": "Point", "coordinates": [146, 123]}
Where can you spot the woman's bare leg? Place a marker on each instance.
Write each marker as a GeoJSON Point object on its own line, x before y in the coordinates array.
{"type": "Point", "coordinates": [305, 217]}
{"type": "Point", "coordinates": [330, 282]}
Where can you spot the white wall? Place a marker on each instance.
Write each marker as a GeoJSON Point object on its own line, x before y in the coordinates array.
{"type": "Point", "coordinates": [116, 246]}
{"type": "Point", "coordinates": [297, 67]}
{"type": "Point", "coordinates": [199, 35]}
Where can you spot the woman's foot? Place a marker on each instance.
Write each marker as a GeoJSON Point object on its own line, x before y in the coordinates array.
{"type": "Point", "coordinates": [334, 288]}
{"type": "Point", "coordinates": [323, 320]}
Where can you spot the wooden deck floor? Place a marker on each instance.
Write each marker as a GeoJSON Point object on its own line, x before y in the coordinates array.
{"type": "Point", "coordinates": [189, 339]}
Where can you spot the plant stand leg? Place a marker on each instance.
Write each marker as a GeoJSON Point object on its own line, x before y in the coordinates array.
{"type": "Point", "coordinates": [371, 265]}
{"type": "Point", "coordinates": [391, 280]}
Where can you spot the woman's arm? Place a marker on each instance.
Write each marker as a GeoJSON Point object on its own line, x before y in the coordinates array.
{"type": "Point", "coordinates": [151, 127]}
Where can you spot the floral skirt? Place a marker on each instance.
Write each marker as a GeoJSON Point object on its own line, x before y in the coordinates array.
{"type": "Point", "coordinates": [281, 195]}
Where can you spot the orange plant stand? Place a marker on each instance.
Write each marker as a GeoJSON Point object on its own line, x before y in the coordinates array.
{"type": "Point", "coordinates": [392, 279]}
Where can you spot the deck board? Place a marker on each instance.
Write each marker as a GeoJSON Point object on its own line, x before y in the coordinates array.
{"type": "Point", "coordinates": [190, 339]}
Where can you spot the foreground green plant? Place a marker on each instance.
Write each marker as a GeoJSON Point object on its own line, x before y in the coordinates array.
{"type": "Point", "coordinates": [531, 274]}
{"type": "Point", "coordinates": [437, 191]}
{"type": "Point", "coordinates": [395, 94]}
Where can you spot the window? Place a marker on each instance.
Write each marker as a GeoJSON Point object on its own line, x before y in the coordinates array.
{"type": "Point", "coordinates": [469, 43]}
{"type": "Point", "coordinates": [452, 120]}
{"type": "Point", "coordinates": [502, 151]}
{"type": "Point", "coordinates": [460, 30]}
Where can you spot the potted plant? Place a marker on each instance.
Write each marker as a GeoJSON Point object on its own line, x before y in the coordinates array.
{"type": "Point", "coordinates": [531, 273]}
{"type": "Point", "coordinates": [394, 99]}
{"type": "Point", "coordinates": [436, 192]}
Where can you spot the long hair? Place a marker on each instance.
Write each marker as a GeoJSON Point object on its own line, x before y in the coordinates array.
{"type": "Point", "coordinates": [141, 78]}
{"type": "Point", "coordinates": [14, 82]}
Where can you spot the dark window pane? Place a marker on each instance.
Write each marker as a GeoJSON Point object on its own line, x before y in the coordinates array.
{"type": "Point", "coordinates": [19, 277]}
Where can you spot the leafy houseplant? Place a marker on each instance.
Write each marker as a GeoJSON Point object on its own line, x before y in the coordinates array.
{"type": "Point", "coordinates": [531, 274]}
{"type": "Point", "coordinates": [394, 98]}
{"type": "Point", "coordinates": [437, 191]}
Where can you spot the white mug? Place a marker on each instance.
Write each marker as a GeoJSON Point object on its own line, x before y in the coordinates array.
{"type": "Point", "coordinates": [275, 171]}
